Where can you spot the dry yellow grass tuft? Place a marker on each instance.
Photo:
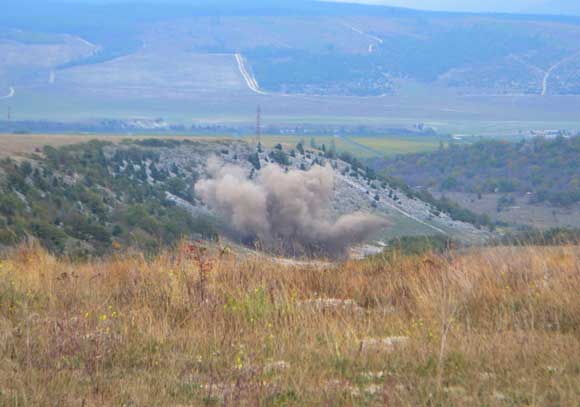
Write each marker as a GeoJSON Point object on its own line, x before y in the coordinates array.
{"type": "Point", "coordinates": [493, 327]}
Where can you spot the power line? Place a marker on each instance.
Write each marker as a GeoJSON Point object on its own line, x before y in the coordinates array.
{"type": "Point", "coordinates": [259, 125]}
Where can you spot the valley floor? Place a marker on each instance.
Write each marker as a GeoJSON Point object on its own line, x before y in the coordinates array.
{"type": "Point", "coordinates": [197, 326]}
{"type": "Point", "coordinates": [464, 115]}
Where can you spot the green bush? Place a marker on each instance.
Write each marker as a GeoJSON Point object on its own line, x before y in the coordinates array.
{"type": "Point", "coordinates": [280, 157]}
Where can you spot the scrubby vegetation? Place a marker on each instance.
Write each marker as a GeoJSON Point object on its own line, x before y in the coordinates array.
{"type": "Point", "coordinates": [496, 327]}
{"type": "Point", "coordinates": [301, 71]}
{"type": "Point", "coordinates": [99, 197]}
{"type": "Point", "coordinates": [549, 170]}
{"type": "Point", "coordinates": [333, 70]}
{"type": "Point", "coordinates": [91, 199]}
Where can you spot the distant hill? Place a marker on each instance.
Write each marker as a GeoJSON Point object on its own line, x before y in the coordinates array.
{"type": "Point", "coordinates": [564, 7]}
{"type": "Point", "coordinates": [555, 7]}
{"type": "Point", "coordinates": [547, 171]}
{"type": "Point", "coordinates": [299, 47]}
{"type": "Point", "coordinates": [89, 198]}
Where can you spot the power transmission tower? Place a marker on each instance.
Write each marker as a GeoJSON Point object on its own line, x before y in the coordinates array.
{"type": "Point", "coordinates": [259, 126]}
{"type": "Point", "coordinates": [259, 123]}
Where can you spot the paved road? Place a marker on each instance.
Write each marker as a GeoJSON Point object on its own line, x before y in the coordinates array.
{"type": "Point", "coordinates": [250, 80]}
{"type": "Point", "coordinates": [547, 77]}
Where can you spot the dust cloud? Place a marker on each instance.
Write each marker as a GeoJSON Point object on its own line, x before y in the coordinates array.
{"type": "Point", "coordinates": [288, 212]}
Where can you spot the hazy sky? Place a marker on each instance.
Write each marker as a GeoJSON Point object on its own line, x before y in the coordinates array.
{"type": "Point", "coordinates": [570, 7]}
{"type": "Point", "coordinates": [508, 6]}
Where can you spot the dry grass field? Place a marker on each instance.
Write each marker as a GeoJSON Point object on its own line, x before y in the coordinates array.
{"type": "Point", "coordinates": [21, 144]}
{"type": "Point", "coordinates": [16, 144]}
{"type": "Point", "coordinates": [194, 327]}
{"type": "Point", "coordinates": [395, 145]}
{"type": "Point", "coordinates": [44, 52]}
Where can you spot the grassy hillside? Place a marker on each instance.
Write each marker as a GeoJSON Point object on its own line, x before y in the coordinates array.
{"type": "Point", "coordinates": [192, 327]}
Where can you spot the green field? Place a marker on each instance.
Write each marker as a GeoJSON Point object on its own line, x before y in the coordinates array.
{"type": "Point", "coordinates": [362, 147]}
{"type": "Point", "coordinates": [11, 144]}
{"type": "Point", "coordinates": [341, 144]}
{"type": "Point", "coordinates": [394, 145]}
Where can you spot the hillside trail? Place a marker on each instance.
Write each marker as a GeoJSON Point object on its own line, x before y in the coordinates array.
{"type": "Point", "coordinates": [10, 94]}
{"type": "Point", "coordinates": [365, 34]}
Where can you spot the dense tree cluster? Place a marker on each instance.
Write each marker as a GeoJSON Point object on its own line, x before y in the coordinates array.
{"type": "Point", "coordinates": [546, 170]}
{"type": "Point", "coordinates": [89, 198]}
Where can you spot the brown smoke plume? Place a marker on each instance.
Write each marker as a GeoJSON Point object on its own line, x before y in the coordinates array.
{"type": "Point", "coordinates": [285, 210]}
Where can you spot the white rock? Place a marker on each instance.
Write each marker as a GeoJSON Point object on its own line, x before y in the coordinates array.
{"type": "Point", "coordinates": [374, 375]}
{"type": "Point", "coordinates": [276, 366]}
{"type": "Point", "coordinates": [389, 343]}
{"type": "Point", "coordinates": [499, 396]}
{"type": "Point", "coordinates": [331, 304]}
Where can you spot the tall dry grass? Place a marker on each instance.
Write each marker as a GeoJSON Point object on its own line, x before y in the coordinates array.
{"type": "Point", "coordinates": [492, 327]}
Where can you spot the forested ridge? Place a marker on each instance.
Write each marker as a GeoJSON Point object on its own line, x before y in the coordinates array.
{"type": "Point", "coordinates": [91, 198]}
{"type": "Point", "coordinates": [548, 170]}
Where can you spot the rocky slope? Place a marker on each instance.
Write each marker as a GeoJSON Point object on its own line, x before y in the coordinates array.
{"type": "Point", "coordinates": [355, 190]}
{"type": "Point", "coordinates": [96, 197]}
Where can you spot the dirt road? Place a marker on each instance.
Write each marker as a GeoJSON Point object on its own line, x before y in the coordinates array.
{"type": "Point", "coordinates": [10, 94]}
{"type": "Point", "coordinates": [376, 39]}
{"type": "Point", "coordinates": [551, 70]}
